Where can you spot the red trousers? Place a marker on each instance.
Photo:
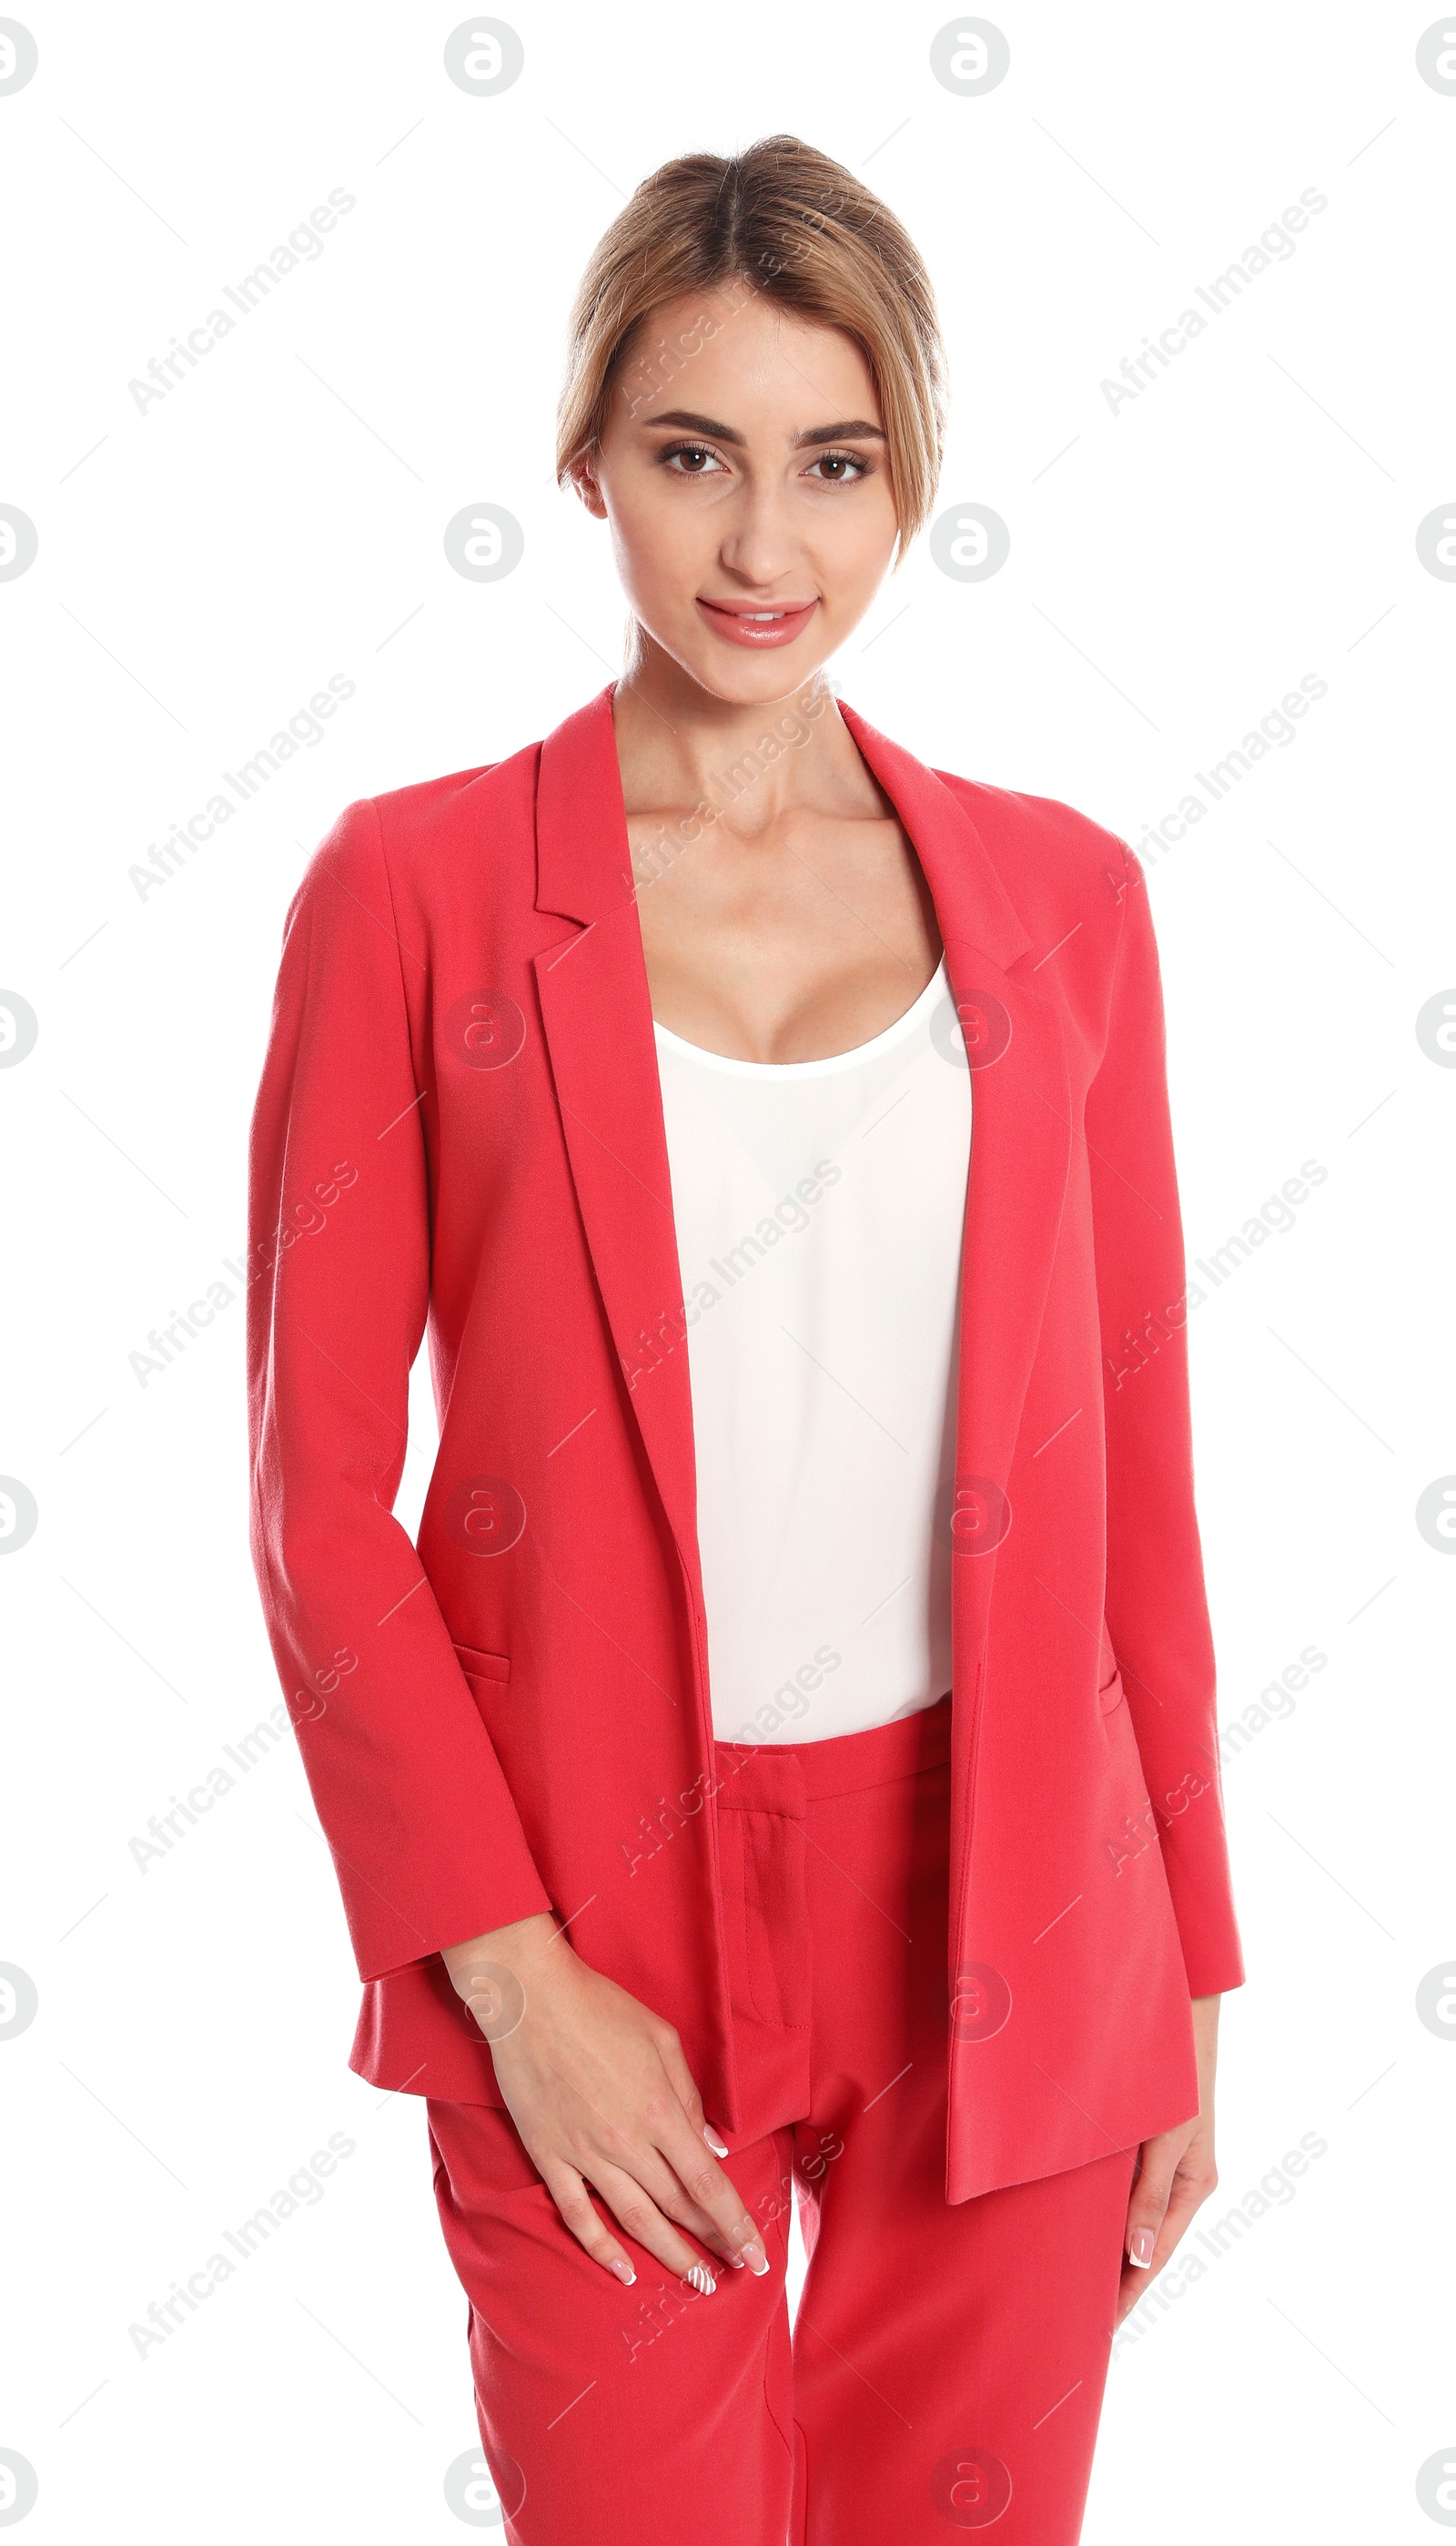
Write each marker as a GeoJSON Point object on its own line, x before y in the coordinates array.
{"type": "Point", "coordinates": [946, 2364]}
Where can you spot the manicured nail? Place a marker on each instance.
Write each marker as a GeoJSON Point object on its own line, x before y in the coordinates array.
{"type": "Point", "coordinates": [1140, 2247]}
{"type": "Point", "coordinates": [718, 2147]}
{"type": "Point", "coordinates": [753, 2256]}
{"type": "Point", "coordinates": [623, 2271]}
{"type": "Point", "coordinates": [700, 2278]}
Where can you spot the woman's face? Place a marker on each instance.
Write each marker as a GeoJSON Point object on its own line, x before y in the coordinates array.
{"type": "Point", "coordinates": [743, 473]}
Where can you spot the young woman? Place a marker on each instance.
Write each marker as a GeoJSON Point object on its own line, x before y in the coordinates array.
{"type": "Point", "coordinates": [788, 1765]}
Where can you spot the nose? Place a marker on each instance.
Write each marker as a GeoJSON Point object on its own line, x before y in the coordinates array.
{"type": "Point", "coordinates": [758, 547]}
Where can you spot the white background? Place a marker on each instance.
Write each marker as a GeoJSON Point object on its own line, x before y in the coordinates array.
{"type": "Point", "coordinates": [1175, 569]}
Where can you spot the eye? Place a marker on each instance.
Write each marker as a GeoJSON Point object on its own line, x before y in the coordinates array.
{"type": "Point", "coordinates": [690, 451]}
{"type": "Point", "coordinates": [835, 463]}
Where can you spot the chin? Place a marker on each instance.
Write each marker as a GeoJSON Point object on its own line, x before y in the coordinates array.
{"type": "Point", "coordinates": [756, 680]}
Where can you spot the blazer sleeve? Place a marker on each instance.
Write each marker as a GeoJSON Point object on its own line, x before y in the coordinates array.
{"type": "Point", "coordinates": [426, 1839]}
{"type": "Point", "coordinates": [1156, 1607]}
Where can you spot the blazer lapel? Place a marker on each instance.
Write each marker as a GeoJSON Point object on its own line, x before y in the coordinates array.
{"type": "Point", "coordinates": [1020, 1145]}
{"type": "Point", "coordinates": [597, 1013]}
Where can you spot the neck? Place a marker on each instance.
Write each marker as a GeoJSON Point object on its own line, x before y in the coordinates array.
{"type": "Point", "coordinates": [677, 744]}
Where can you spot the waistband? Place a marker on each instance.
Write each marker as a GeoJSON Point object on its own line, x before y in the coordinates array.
{"type": "Point", "coordinates": [782, 1776]}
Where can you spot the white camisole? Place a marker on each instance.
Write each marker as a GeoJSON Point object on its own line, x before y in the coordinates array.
{"type": "Point", "coordinates": [820, 1207]}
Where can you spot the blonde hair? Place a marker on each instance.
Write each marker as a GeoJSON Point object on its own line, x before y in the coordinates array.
{"type": "Point", "coordinates": [782, 220]}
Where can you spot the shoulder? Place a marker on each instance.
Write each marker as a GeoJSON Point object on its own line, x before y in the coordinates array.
{"type": "Point", "coordinates": [1039, 844]}
{"type": "Point", "coordinates": [411, 844]}
{"type": "Point", "coordinates": [440, 819]}
{"type": "Point", "coordinates": [1079, 895]}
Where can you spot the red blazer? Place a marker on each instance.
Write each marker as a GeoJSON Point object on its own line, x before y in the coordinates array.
{"type": "Point", "coordinates": [459, 1130]}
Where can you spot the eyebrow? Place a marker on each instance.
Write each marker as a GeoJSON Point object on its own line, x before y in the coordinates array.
{"type": "Point", "coordinates": [856, 430]}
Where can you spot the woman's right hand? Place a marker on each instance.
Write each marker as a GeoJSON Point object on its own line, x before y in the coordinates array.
{"type": "Point", "coordinates": [601, 2093]}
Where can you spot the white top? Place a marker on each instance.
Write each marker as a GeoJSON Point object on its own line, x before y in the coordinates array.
{"type": "Point", "coordinates": [820, 1207]}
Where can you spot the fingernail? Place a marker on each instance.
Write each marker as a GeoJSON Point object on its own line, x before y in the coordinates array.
{"type": "Point", "coordinates": [1140, 2247]}
{"type": "Point", "coordinates": [718, 2147]}
{"type": "Point", "coordinates": [623, 2271]}
{"type": "Point", "coordinates": [753, 2256]}
{"type": "Point", "coordinates": [700, 2278]}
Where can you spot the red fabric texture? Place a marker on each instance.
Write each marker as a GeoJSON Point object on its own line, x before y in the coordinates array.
{"type": "Point", "coordinates": [459, 1133]}
{"type": "Point", "coordinates": [947, 2362]}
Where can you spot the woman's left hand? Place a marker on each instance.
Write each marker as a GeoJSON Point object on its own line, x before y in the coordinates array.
{"type": "Point", "coordinates": [1175, 2174]}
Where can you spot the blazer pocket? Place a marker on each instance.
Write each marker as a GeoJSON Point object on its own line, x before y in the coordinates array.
{"type": "Point", "coordinates": [478, 1666]}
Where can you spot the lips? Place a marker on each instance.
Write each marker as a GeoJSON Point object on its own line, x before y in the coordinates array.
{"type": "Point", "coordinates": [776, 625]}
